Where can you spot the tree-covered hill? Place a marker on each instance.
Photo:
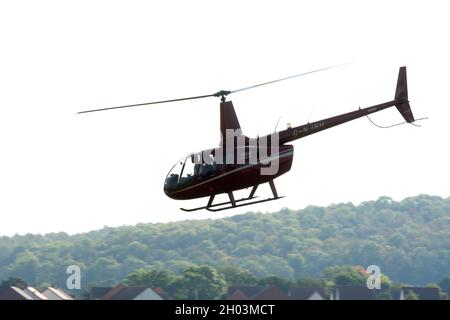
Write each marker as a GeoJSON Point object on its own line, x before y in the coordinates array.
{"type": "Point", "coordinates": [409, 240]}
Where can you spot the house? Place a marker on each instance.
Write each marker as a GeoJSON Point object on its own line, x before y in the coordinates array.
{"type": "Point", "coordinates": [56, 294]}
{"type": "Point", "coordinates": [34, 293]}
{"type": "Point", "coordinates": [30, 293]}
{"type": "Point", "coordinates": [121, 292]}
{"type": "Point", "coordinates": [162, 293]}
{"type": "Point", "coordinates": [243, 293]}
{"type": "Point", "coordinates": [423, 293]}
{"type": "Point", "coordinates": [114, 290]}
{"type": "Point", "coordinates": [256, 293]}
{"type": "Point", "coordinates": [305, 293]}
{"type": "Point", "coordinates": [13, 293]}
{"type": "Point", "coordinates": [352, 293]}
{"type": "Point", "coordinates": [271, 293]}
{"type": "Point", "coordinates": [97, 293]}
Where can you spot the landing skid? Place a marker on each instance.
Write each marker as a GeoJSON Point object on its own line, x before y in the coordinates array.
{"type": "Point", "coordinates": [243, 204]}
{"type": "Point", "coordinates": [233, 203]}
{"type": "Point", "coordinates": [215, 205]}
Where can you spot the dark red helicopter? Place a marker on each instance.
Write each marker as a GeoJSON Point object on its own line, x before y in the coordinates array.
{"type": "Point", "coordinates": [239, 161]}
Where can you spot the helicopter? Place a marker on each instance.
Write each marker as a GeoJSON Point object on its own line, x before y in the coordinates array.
{"type": "Point", "coordinates": [240, 162]}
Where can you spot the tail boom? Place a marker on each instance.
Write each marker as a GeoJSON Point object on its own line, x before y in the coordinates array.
{"type": "Point", "coordinates": [400, 101]}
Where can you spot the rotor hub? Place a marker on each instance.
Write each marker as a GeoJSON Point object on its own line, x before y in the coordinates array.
{"type": "Point", "coordinates": [222, 94]}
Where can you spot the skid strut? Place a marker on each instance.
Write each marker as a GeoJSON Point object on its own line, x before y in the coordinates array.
{"type": "Point", "coordinates": [236, 203]}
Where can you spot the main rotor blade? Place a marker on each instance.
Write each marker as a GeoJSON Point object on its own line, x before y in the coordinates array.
{"type": "Point", "coordinates": [148, 103]}
{"type": "Point", "coordinates": [290, 77]}
{"type": "Point", "coordinates": [221, 93]}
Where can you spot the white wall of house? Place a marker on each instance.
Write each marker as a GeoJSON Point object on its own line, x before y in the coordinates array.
{"type": "Point", "coordinates": [50, 295]}
{"type": "Point", "coordinates": [35, 294]}
{"type": "Point", "coordinates": [315, 296]}
{"type": "Point", "coordinates": [148, 294]}
{"type": "Point", "coordinates": [22, 293]}
{"type": "Point", "coordinates": [55, 294]}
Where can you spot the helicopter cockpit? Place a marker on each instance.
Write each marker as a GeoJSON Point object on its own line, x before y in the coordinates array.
{"type": "Point", "coordinates": [189, 170]}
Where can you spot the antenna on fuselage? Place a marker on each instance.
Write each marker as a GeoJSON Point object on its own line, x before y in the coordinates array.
{"type": "Point", "coordinates": [276, 126]}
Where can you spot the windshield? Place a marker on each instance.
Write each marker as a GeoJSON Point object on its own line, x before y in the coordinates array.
{"type": "Point", "coordinates": [188, 170]}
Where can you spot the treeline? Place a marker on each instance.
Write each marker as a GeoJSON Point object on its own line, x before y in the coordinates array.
{"type": "Point", "coordinates": [409, 240]}
{"type": "Point", "coordinates": [206, 282]}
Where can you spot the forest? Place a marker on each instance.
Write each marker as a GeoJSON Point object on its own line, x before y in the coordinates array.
{"type": "Point", "coordinates": [409, 240]}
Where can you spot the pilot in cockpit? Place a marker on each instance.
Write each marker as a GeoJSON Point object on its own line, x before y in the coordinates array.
{"type": "Point", "coordinates": [203, 170]}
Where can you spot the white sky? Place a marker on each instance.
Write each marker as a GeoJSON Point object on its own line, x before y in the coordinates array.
{"type": "Point", "coordinates": [65, 172]}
